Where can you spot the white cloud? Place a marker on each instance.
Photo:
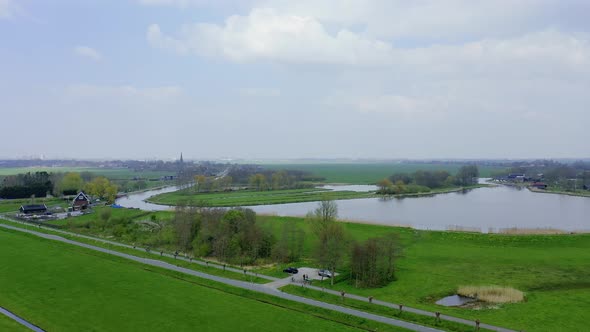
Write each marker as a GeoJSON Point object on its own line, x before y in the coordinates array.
{"type": "Point", "coordinates": [264, 34]}
{"type": "Point", "coordinates": [8, 9]}
{"type": "Point", "coordinates": [435, 19]}
{"type": "Point", "coordinates": [88, 52]}
{"type": "Point", "coordinates": [123, 92]}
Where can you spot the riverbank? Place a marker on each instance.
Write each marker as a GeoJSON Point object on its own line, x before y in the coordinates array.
{"type": "Point", "coordinates": [585, 193]}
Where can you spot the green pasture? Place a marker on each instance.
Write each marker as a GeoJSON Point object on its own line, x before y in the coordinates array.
{"type": "Point", "coordinates": [370, 173]}
{"type": "Point", "coordinates": [553, 271]}
{"type": "Point", "coordinates": [60, 287]}
{"type": "Point", "coordinates": [251, 197]}
{"type": "Point", "coordinates": [111, 173]}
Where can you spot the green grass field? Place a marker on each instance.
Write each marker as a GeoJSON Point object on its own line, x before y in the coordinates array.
{"type": "Point", "coordinates": [66, 288]}
{"type": "Point", "coordinates": [111, 173]}
{"type": "Point", "coordinates": [250, 197]}
{"type": "Point", "coordinates": [369, 173]}
{"type": "Point", "coordinates": [12, 205]}
{"type": "Point", "coordinates": [8, 324]}
{"type": "Point", "coordinates": [553, 271]}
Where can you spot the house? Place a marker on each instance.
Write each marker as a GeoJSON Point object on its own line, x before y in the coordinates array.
{"type": "Point", "coordinates": [33, 209]}
{"type": "Point", "coordinates": [81, 202]}
{"type": "Point", "coordinates": [539, 185]}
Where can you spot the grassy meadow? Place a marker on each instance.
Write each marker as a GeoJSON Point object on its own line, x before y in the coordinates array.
{"type": "Point", "coordinates": [75, 289]}
{"type": "Point", "coordinates": [552, 270]}
{"type": "Point", "coordinates": [8, 324]}
{"type": "Point", "coordinates": [252, 197]}
{"type": "Point", "coordinates": [370, 173]}
{"type": "Point", "coordinates": [111, 173]}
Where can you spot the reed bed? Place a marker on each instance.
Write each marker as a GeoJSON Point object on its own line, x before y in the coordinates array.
{"type": "Point", "coordinates": [492, 294]}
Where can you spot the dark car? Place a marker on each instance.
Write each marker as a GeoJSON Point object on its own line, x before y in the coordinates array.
{"type": "Point", "coordinates": [291, 270]}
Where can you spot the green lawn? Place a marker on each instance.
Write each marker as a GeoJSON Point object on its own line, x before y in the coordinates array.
{"type": "Point", "coordinates": [370, 173]}
{"type": "Point", "coordinates": [553, 270]}
{"type": "Point", "coordinates": [251, 197]}
{"type": "Point", "coordinates": [66, 288]}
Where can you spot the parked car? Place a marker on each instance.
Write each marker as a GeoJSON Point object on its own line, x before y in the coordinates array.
{"type": "Point", "coordinates": [291, 270]}
{"type": "Point", "coordinates": [325, 273]}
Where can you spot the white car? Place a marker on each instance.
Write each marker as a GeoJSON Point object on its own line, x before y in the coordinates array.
{"type": "Point", "coordinates": [325, 273]}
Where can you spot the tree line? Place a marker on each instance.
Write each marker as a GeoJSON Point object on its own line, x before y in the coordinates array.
{"type": "Point", "coordinates": [41, 184]}
{"type": "Point", "coordinates": [425, 181]}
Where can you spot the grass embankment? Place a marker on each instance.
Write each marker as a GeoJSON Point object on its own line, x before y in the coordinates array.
{"type": "Point", "coordinates": [76, 289]}
{"type": "Point", "coordinates": [553, 271]}
{"type": "Point", "coordinates": [370, 173]}
{"type": "Point", "coordinates": [251, 197]}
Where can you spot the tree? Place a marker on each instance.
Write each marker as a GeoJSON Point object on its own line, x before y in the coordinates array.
{"type": "Point", "coordinates": [385, 186]}
{"type": "Point", "coordinates": [290, 246]}
{"type": "Point", "coordinates": [467, 175]}
{"type": "Point", "coordinates": [199, 182]}
{"type": "Point", "coordinates": [331, 245]}
{"type": "Point", "coordinates": [372, 262]}
{"type": "Point", "coordinates": [71, 183]}
{"type": "Point", "coordinates": [258, 181]}
{"type": "Point", "coordinates": [103, 188]}
{"type": "Point", "coordinates": [185, 226]}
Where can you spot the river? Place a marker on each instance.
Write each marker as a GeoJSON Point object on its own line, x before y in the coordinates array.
{"type": "Point", "coordinates": [489, 209]}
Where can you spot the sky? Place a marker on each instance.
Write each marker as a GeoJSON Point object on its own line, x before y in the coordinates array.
{"type": "Point", "coordinates": [277, 79]}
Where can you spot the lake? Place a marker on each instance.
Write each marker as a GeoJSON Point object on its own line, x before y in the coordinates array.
{"type": "Point", "coordinates": [489, 209]}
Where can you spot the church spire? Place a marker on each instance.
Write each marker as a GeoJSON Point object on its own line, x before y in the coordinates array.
{"type": "Point", "coordinates": [181, 160]}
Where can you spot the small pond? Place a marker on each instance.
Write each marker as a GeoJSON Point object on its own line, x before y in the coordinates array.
{"type": "Point", "coordinates": [455, 301]}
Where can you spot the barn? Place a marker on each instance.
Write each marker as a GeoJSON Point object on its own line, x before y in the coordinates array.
{"type": "Point", "coordinates": [81, 202]}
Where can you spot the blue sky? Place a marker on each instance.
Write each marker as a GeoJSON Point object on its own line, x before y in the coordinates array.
{"type": "Point", "coordinates": [281, 79]}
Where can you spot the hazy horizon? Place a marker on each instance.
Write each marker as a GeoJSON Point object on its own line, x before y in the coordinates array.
{"type": "Point", "coordinates": [275, 79]}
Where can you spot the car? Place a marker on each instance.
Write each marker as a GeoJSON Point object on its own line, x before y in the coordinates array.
{"type": "Point", "coordinates": [291, 270]}
{"type": "Point", "coordinates": [325, 273]}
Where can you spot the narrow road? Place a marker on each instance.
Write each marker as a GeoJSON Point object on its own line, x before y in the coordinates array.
{"type": "Point", "coordinates": [21, 320]}
{"type": "Point", "coordinates": [241, 284]}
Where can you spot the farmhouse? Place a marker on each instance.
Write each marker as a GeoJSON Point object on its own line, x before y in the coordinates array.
{"type": "Point", "coordinates": [33, 209]}
{"type": "Point", "coordinates": [81, 202]}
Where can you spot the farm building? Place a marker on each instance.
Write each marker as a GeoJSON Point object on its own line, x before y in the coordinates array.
{"type": "Point", "coordinates": [33, 209]}
{"type": "Point", "coordinates": [81, 202]}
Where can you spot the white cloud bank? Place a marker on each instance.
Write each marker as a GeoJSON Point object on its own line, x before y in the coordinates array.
{"type": "Point", "coordinates": [87, 52]}
{"type": "Point", "coordinates": [267, 35]}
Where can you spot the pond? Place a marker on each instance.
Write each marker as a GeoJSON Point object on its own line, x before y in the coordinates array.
{"type": "Point", "coordinates": [490, 209]}
{"type": "Point", "coordinates": [454, 301]}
